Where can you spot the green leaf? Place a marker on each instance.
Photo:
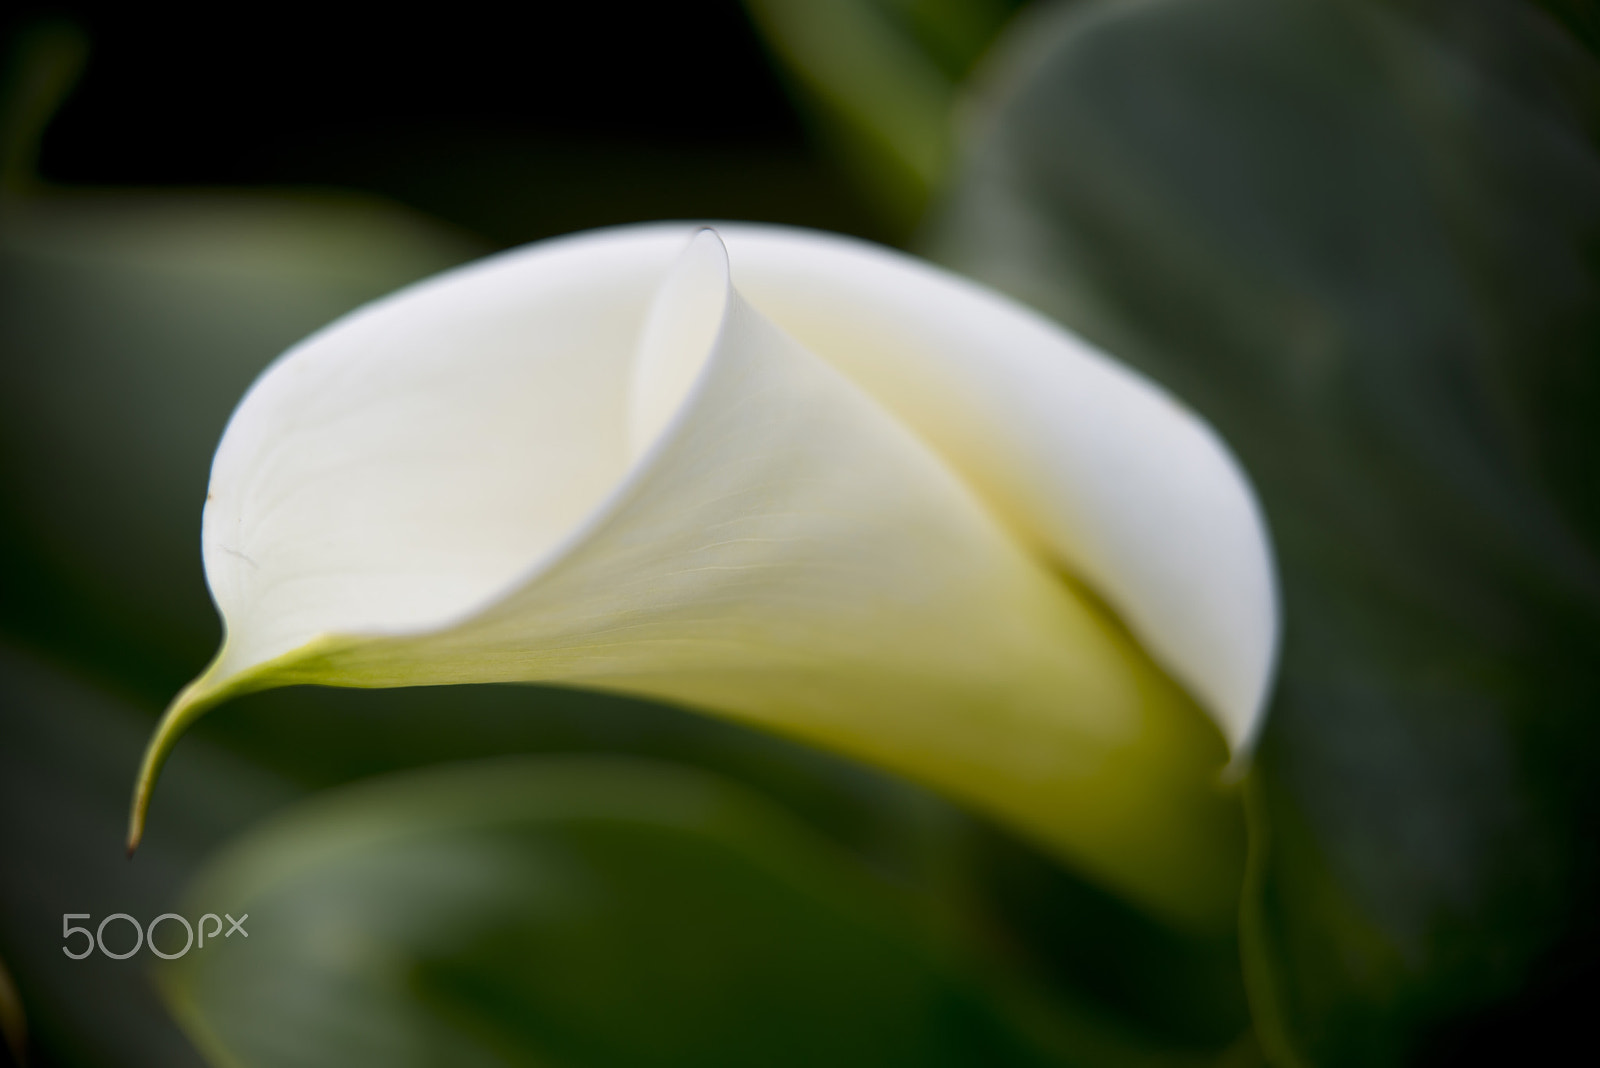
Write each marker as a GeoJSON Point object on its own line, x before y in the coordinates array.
{"type": "Point", "coordinates": [1360, 239]}
{"type": "Point", "coordinates": [68, 748]}
{"type": "Point", "coordinates": [882, 76]}
{"type": "Point", "coordinates": [580, 912]}
{"type": "Point", "coordinates": [1096, 981]}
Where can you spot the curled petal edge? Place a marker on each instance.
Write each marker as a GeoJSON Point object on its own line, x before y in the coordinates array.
{"type": "Point", "coordinates": [687, 563]}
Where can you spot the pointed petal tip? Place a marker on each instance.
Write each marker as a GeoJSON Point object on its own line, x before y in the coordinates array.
{"type": "Point", "coordinates": [192, 701]}
{"type": "Point", "coordinates": [680, 331]}
{"type": "Point", "coordinates": [140, 807]}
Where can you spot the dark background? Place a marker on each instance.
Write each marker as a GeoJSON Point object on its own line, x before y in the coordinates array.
{"type": "Point", "coordinates": [513, 123]}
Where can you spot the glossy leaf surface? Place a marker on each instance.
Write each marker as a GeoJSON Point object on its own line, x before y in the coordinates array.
{"type": "Point", "coordinates": [574, 912]}
{"type": "Point", "coordinates": [1360, 239]}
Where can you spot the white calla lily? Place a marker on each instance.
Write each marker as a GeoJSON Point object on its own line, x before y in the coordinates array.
{"type": "Point", "coordinates": [782, 476]}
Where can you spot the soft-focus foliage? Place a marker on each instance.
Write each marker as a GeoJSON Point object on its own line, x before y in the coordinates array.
{"type": "Point", "coordinates": [589, 912]}
{"type": "Point", "coordinates": [1360, 238]}
{"type": "Point", "coordinates": [882, 77]}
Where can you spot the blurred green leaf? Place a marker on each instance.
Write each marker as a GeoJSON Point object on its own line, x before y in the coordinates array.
{"type": "Point", "coordinates": [322, 737]}
{"type": "Point", "coordinates": [1177, 991]}
{"type": "Point", "coordinates": [1103, 982]}
{"type": "Point", "coordinates": [1095, 982]}
{"type": "Point", "coordinates": [68, 751]}
{"type": "Point", "coordinates": [579, 912]}
{"type": "Point", "coordinates": [882, 75]}
{"type": "Point", "coordinates": [1364, 240]}
{"type": "Point", "coordinates": [130, 324]}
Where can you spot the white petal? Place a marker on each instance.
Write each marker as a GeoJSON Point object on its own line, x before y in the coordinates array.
{"type": "Point", "coordinates": [679, 333]}
{"type": "Point", "coordinates": [439, 490]}
{"type": "Point", "coordinates": [1096, 464]}
{"type": "Point", "coordinates": [411, 462]}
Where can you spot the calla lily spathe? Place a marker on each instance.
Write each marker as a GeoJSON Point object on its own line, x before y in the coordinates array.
{"type": "Point", "coordinates": [782, 476]}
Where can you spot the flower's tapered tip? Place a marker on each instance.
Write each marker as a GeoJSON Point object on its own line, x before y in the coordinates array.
{"type": "Point", "coordinates": [155, 754]}
{"type": "Point", "coordinates": [191, 702]}
{"type": "Point", "coordinates": [141, 806]}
